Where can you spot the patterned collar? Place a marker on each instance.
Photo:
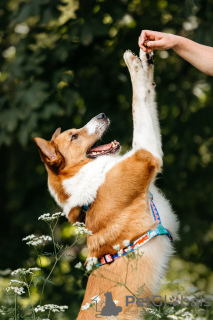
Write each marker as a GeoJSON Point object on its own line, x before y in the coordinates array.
{"type": "Point", "coordinates": [158, 230]}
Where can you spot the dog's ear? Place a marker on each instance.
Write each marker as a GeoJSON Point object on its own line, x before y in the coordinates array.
{"type": "Point", "coordinates": [48, 152]}
{"type": "Point", "coordinates": [56, 134]}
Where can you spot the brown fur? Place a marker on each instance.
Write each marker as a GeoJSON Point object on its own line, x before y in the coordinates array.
{"type": "Point", "coordinates": [119, 212]}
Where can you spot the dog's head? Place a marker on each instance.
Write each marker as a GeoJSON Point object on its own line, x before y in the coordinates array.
{"type": "Point", "coordinates": [76, 146]}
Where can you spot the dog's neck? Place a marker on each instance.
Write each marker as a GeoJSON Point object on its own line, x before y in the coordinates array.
{"type": "Point", "coordinates": [81, 189]}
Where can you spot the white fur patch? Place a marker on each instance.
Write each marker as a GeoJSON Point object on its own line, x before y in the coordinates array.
{"type": "Point", "coordinates": [95, 126]}
{"type": "Point", "coordinates": [91, 126]}
{"type": "Point", "coordinates": [83, 187]}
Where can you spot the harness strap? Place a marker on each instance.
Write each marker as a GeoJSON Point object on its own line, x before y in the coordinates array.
{"type": "Point", "coordinates": [159, 230]}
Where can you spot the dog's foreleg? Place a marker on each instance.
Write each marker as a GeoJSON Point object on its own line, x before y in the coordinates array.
{"type": "Point", "coordinates": [144, 136]}
{"type": "Point", "coordinates": [147, 60]}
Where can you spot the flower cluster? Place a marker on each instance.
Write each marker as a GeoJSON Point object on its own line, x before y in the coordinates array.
{"type": "Point", "coordinates": [35, 241]}
{"type": "Point", "coordinates": [153, 312]}
{"type": "Point", "coordinates": [24, 271]}
{"type": "Point", "coordinates": [16, 290]}
{"type": "Point", "coordinates": [50, 307]}
{"type": "Point", "coordinates": [81, 229]}
{"type": "Point", "coordinates": [126, 243]}
{"type": "Point", "coordinates": [3, 311]}
{"type": "Point", "coordinates": [86, 306]}
{"type": "Point", "coordinates": [182, 314]}
{"type": "Point", "coordinates": [47, 217]}
{"type": "Point", "coordinates": [78, 265]}
{"type": "Point", "coordinates": [91, 262]}
{"type": "Point", "coordinates": [18, 282]}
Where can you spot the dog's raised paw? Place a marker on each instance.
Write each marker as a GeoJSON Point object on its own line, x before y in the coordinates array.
{"type": "Point", "coordinates": [132, 60]}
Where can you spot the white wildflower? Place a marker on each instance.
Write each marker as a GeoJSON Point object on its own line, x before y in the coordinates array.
{"type": "Point", "coordinates": [120, 253]}
{"type": "Point", "coordinates": [78, 265]}
{"type": "Point", "coordinates": [30, 237]}
{"type": "Point", "coordinates": [35, 241]}
{"type": "Point", "coordinates": [188, 316]}
{"type": "Point", "coordinates": [91, 261]}
{"type": "Point", "coordinates": [86, 306]}
{"type": "Point", "coordinates": [16, 290]}
{"type": "Point", "coordinates": [79, 224]}
{"type": "Point", "coordinates": [116, 247]}
{"type": "Point", "coordinates": [180, 311]}
{"type": "Point", "coordinates": [126, 243]}
{"type": "Point", "coordinates": [172, 317]}
{"type": "Point", "coordinates": [3, 310]}
{"type": "Point", "coordinates": [154, 312]}
{"type": "Point", "coordinates": [47, 217]}
{"type": "Point", "coordinates": [18, 282]}
{"type": "Point", "coordinates": [50, 307]}
{"type": "Point", "coordinates": [34, 269]}
{"type": "Point", "coordinates": [96, 298]}
{"type": "Point", "coordinates": [81, 229]}
{"type": "Point", "coordinates": [24, 271]}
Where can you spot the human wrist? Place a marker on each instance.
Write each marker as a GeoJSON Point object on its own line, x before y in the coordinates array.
{"type": "Point", "coordinates": [177, 42]}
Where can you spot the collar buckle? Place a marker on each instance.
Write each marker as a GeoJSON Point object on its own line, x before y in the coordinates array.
{"type": "Point", "coordinates": [107, 258]}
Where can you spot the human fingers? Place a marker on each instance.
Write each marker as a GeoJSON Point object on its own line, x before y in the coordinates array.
{"type": "Point", "coordinates": [143, 45]}
{"type": "Point", "coordinates": [158, 44]}
{"type": "Point", "coordinates": [148, 34]}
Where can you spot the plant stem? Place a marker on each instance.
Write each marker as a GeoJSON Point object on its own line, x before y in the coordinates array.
{"type": "Point", "coordinates": [52, 232]}
{"type": "Point", "coordinates": [127, 267]}
{"type": "Point", "coordinates": [15, 306]}
{"type": "Point", "coordinates": [31, 302]}
{"type": "Point", "coordinates": [56, 260]}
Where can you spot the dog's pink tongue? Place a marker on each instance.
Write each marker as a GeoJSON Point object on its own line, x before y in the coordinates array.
{"type": "Point", "coordinates": [104, 147]}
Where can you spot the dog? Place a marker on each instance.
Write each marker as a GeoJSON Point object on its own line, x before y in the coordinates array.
{"type": "Point", "coordinates": [117, 191]}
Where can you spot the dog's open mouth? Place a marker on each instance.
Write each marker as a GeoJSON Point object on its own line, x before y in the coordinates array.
{"type": "Point", "coordinates": [110, 148]}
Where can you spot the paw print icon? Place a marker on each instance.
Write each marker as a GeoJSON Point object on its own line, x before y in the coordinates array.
{"type": "Point", "coordinates": [174, 301]}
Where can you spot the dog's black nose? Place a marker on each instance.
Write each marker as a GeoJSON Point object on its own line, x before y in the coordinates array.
{"type": "Point", "coordinates": [101, 116]}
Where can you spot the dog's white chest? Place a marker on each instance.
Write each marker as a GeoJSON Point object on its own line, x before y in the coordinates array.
{"type": "Point", "coordinates": [83, 187]}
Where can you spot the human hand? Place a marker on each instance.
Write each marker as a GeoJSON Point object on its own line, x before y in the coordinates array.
{"type": "Point", "coordinates": [150, 40]}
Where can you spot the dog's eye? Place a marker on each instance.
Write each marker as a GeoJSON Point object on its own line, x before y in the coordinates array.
{"type": "Point", "coordinates": [74, 136]}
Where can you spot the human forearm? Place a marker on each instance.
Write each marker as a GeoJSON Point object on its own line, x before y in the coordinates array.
{"type": "Point", "coordinates": [200, 56]}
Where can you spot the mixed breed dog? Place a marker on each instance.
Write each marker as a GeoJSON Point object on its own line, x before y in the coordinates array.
{"type": "Point", "coordinates": [122, 201]}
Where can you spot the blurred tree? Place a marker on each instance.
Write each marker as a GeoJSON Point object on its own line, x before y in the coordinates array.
{"type": "Point", "coordinates": [61, 63]}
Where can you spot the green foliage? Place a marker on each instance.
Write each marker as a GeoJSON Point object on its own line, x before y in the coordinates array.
{"type": "Point", "coordinates": [60, 64]}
